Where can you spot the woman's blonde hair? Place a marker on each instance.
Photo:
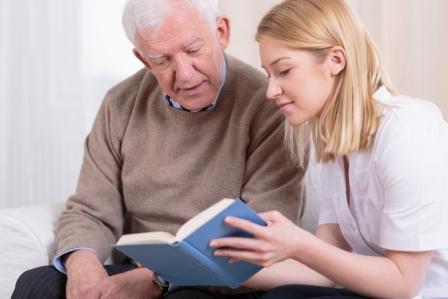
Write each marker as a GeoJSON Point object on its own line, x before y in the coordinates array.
{"type": "Point", "coordinates": [349, 118]}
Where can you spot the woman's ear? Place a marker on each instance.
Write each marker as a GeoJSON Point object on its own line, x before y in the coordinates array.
{"type": "Point", "coordinates": [336, 60]}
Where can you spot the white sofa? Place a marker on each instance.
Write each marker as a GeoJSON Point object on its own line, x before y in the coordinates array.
{"type": "Point", "coordinates": [26, 241]}
{"type": "Point", "coordinates": [27, 234]}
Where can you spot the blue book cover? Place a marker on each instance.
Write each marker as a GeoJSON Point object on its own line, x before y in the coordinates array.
{"type": "Point", "coordinates": [186, 259]}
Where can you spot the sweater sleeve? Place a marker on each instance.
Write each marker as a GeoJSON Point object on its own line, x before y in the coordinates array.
{"type": "Point", "coordinates": [272, 180]}
{"type": "Point", "coordinates": [94, 215]}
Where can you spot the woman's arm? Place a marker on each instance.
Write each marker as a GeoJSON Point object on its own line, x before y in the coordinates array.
{"type": "Point", "coordinates": [284, 273]}
{"type": "Point", "coordinates": [297, 273]}
{"type": "Point", "coordinates": [397, 275]}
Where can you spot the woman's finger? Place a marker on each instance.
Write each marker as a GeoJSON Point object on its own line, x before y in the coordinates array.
{"type": "Point", "coordinates": [237, 243]}
{"type": "Point", "coordinates": [236, 255]}
{"type": "Point", "coordinates": [247, 226]}
{"type": "Point", "coordinates": [271, 216]}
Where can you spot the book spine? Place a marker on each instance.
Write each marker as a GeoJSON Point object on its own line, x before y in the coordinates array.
{"type": "Point", "coordinates": [220, 273]}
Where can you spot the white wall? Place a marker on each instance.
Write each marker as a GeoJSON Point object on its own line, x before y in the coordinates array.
{"type": "Point", "coordinates": [40, 116]}
{"type": "Point", "coordinates": [412, 37]}
{"type": "Point", "coordinates": [58, 58]}
{"type": "Point", "coordinates": [244, 16]}
{"type": "Point", "coordinates": [410, 34]}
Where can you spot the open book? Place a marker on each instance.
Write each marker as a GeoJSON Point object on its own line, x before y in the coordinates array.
{"type": "Point", "coordinates": [186, 259]}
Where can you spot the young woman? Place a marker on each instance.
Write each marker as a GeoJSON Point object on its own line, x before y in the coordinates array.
{"type": "Point", "coordinates": [382, 225]}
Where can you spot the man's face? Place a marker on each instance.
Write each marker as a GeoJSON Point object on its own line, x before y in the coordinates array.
{"type": "Point", "coordinates": [186, 56]}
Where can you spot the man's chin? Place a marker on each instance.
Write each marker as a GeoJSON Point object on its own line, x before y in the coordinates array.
{"type": "Point", "coordinates": [194, 104]}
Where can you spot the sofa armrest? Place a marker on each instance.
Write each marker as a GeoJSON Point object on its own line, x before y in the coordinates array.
{"type": "Point", "coordinates": [26, 241]}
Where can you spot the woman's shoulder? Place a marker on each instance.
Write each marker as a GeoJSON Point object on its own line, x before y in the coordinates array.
{"type": "Point", "coordinates": [405, 108]}
{"type": "Point", "coordinates": [406, 114]}
{"type": "Point", "coordinates": [408, 122]}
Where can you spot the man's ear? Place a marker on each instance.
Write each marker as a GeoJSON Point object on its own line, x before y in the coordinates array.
{"type": "Point", "coordinates": [139, 57]}
{"type": "Point", "coordinates": [223, 31]}
{"type": "Point", "coordinates": [337, 60]}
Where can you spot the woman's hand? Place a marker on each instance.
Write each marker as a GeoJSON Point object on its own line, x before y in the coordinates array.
{"type": "Point", "coordinates": [277, 241]}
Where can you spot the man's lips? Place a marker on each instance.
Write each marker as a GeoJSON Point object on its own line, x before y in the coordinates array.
{"type": "Point", "coordinates": [190, 88]}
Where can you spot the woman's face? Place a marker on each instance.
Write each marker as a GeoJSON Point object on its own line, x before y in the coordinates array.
{"type": "Point", "coordinates": [299, 83]}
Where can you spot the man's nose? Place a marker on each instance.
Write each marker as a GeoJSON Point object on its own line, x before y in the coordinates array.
{"type": "Point", "coordinates": [184, 67]}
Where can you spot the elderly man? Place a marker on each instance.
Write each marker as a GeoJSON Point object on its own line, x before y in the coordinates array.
{"type": "Point", "coordinates": [189, 129]}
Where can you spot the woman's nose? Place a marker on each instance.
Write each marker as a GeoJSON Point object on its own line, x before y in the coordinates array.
{"type": "Point", "coordinates": [273, 90]}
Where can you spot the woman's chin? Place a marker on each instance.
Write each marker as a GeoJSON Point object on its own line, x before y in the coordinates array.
{"type": "Point", "coordinates": [295, 121]}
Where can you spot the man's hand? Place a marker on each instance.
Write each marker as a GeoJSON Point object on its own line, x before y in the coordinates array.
{"type": "Point", "coordinates": [87, 279]}
{"type": "Point", "coordinates": [137, 283]}
{"type": "Point", "coordinates": [84, 272]}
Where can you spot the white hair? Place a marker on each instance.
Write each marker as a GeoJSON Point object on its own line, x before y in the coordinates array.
{"type": "Point", "coordinates": [139, 15]}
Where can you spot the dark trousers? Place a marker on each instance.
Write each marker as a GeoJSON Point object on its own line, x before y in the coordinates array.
{"type": "Point", "coordinates": [309, 292]}
{"type": "Point", "coordinates": [48, 283]}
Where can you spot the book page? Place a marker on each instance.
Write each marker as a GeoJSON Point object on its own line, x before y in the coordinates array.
{"type": "Point", "coordinates": [147, 238]}
{"type": "Point", "coordinates": [197, 221]}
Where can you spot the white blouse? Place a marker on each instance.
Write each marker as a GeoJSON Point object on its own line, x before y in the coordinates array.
{"type": "Point", "coordinates": [399, 188]}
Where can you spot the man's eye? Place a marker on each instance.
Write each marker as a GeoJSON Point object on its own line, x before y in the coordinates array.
{"type": "Point", "coordinates": [161, 62]}
{"type": "Point", "coordinates": [193, 51]}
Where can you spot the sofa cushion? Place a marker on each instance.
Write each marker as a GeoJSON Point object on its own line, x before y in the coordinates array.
{"type": "Point", "coordinates": [26, 239]}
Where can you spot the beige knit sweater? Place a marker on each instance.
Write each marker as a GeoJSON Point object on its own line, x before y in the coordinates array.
{"type": "Point", "coordinates": [149, 167]}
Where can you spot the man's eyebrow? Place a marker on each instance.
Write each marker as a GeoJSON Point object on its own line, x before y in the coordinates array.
{"type": "Point", "coordinates": [154, 56]}
{"type": "Point", "coordinates": [193, 41]}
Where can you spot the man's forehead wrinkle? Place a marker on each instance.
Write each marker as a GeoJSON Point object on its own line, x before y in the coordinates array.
{"type": "Point", "coordinates": [193, 40]}
{"type": "Point", "coordinates": [171, 44]}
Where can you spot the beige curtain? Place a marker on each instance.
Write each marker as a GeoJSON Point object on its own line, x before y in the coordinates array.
{"type": "Point", "coordinates": [41, 107]}
{"type": "Point", "coordinates": [57, 59]}
{"type": "Point", "coordinates": [411, 36]}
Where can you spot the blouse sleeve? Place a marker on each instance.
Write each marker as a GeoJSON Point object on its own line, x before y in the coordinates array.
{"type": "Point", "coordinates": [412, 166]}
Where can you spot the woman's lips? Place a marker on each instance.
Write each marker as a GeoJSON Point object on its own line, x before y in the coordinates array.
{"type": "Point", "coordinates": [283, 106]}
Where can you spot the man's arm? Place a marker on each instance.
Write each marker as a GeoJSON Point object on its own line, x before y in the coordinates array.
{"type": "Point", "coordinates": [87, 279]}
{"type": "Point", "coordinates": [59, 259]}
{"type": "Point", "coordinates": [84, 272]}
{"type": "Point", "coordinates": [94, 215]}
{"type": "Point", "coordinates": [272, 180]}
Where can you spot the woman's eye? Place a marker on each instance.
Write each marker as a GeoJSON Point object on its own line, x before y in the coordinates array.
{"type": "Point", "coordinates": [284, 72]}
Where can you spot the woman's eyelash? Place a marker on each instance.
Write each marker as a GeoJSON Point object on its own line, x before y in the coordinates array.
{"type": "Point", "coordinates": [284, 73]}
